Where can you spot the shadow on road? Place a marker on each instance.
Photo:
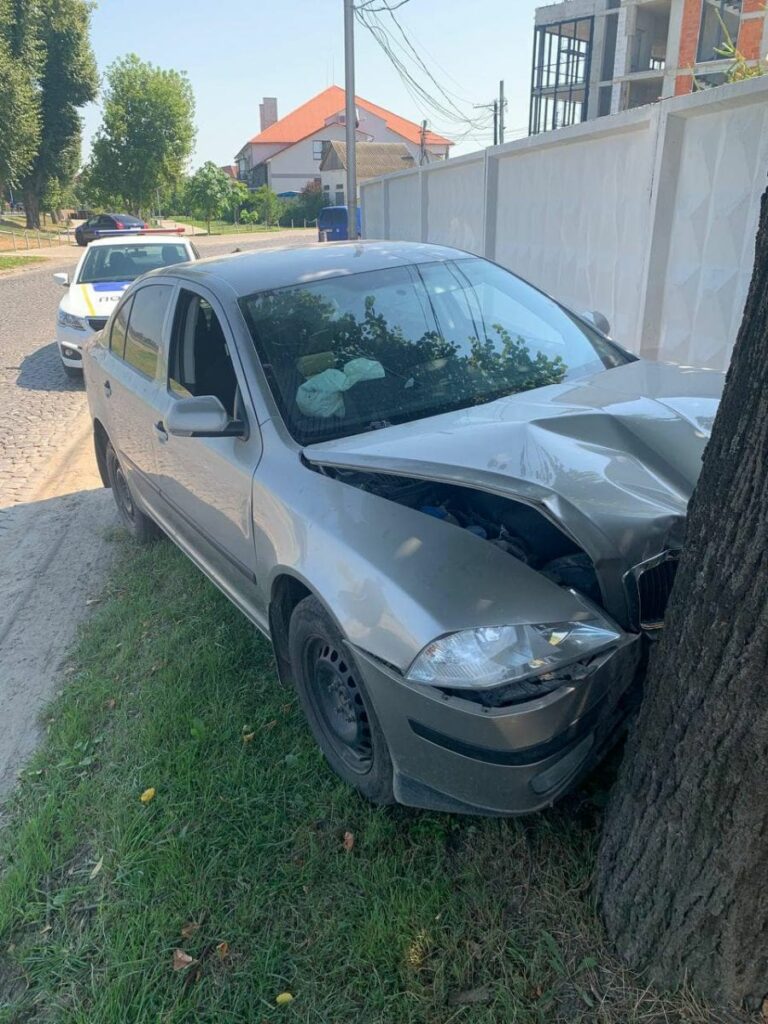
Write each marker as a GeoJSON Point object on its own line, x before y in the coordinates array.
{"type": "Point", "coordinates": [42, 370]}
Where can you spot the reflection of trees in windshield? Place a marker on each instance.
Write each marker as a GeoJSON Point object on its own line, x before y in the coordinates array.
{"type": "Point", "coordinates": [301, 333]}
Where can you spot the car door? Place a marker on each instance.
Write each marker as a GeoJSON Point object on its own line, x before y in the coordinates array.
{"type": "Point", "coordinates": [206, 482]}
{"type": "Point", "coordinates": [132, 385]}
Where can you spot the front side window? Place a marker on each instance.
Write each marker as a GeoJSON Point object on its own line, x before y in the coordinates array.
{"type": "Point", "coordinates": [120, 262]}
{"type": "Point", "coordinates": [199, 362]}
{"type": "Point", "coordinates": [359, 352]}
{"type": "Point", "coordinates": [145, 327]}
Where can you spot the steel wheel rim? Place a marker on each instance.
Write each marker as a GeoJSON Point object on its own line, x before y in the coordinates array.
{"type": "Point", "coordinates": [339, 705]}
{"type": "Point", "coordinates": [124, 499]}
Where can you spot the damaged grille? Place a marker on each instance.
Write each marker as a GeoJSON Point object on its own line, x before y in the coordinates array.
{"type": "Point", "coordinates": [650, 586]}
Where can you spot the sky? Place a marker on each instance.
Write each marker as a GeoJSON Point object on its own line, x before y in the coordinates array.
{"type": "Point", "coordinates": [237, 51]}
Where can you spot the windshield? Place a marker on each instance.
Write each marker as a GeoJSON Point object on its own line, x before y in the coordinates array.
{"type": "Point", "coordinates": [355, 353]}
{"type": "Point", "coordinates": [121, 262]}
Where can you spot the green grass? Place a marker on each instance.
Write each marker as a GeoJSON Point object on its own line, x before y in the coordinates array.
{"type": "Point", "coordinates": [12, 262]}
{"type": "Point", "coordinates": [428, 919]}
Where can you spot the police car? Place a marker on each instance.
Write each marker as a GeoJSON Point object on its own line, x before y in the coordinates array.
{"type": "Point", "coordinates": [105, 270]}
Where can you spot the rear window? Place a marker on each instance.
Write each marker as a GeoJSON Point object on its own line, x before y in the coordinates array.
{"type": "Point", "coordinates": [333, 218]}
{"type": "Point", "coordinates": [126, 262]}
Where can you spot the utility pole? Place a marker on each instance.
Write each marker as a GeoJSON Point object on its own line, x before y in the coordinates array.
{"type": "Point", "coordinates": [351, 116]}
{"type": "Point", "coordinates": [495, 122]}
{"type": "Point", "coordinates": [502, 103]}
{"type": "Point", "coordinates": [423, 143]}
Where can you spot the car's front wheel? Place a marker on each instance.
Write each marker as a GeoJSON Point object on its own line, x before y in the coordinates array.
{"type": "Point", "coordinates": [139, 525]}
{"type": "Point", "coordinates": [336, 705]}
{"type": "Point", "coordinates": [73, 372]}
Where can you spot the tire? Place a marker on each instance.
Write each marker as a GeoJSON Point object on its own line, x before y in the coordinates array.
{"type": "Point", "coordinates": [140, 526]}
{"type": "Point", "coordinates": [336, 704]}
{"type": "Point", "coordinates": [72, 372]}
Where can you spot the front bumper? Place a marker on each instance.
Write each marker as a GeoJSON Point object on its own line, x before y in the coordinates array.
{"type": "Point", "coordinates": [70, 343]}
{"type": "Point", "coordinates": [452, 754]}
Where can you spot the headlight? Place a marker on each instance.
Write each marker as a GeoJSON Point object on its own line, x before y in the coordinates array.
{"type": "Point", "coordinates": [480, 658]}
{"type": "Point", "coordinates": [77, 323]}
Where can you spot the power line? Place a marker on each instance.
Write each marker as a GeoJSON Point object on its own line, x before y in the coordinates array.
{"type": "Point", "coordinates": [445, 105]}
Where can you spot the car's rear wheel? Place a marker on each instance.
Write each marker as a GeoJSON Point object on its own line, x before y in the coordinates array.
{"type": "Point", "coordinates": [139, 525]}
{"type": "Point", "coordinates": [336, 705]}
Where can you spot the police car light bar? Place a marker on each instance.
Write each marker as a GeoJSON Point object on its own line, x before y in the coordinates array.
{"type": "Point", "coordinates": [110, 233]}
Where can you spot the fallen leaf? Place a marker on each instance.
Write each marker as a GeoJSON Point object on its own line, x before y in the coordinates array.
{"type": "Point", "coordinates": [93, 600]}
{"type": "Point", "coordinates": [110, 704]}
{"type": "Point", "coordinates": [284, 998]}
{"type": "Point", "coordinates": [248, 737]}
{"type": "Point", "coordinates": [271, 725]}
{"type": "Point", "coordinates": [349, 841]}
{"type": "Point", "coordinates": [47, 928]}
{"type": "Point", "coordinates": [148, 795]}
{"type": "Point", "coordinates": [189, 929]}
{"type": "Point", "coordinates": [471, 996]}
{"type": "Point", "coordinates": [223, 950]}
{"type": "Point", "coordinates": [764, 1009]}
{"type": "Point", "coordinates": [287, 709]}
{"type": "Point", "coordinates": [96, 869]}
{"type": "Point", "coordinates": [182, 960]}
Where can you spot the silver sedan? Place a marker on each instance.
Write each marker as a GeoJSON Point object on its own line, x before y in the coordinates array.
{"type": "Point", "coordinates": [453, 505]}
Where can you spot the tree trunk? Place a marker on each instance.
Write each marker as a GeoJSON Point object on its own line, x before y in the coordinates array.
{"type": "Point", "coordinates": [31, 207]}
{"type": "Point", "coordinates": [683, 863]}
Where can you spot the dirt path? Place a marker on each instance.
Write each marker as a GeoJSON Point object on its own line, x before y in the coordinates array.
{"type": "Point", "coordinates": [54, 553]}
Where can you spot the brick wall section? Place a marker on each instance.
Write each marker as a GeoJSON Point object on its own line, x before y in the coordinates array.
{"type": "Point", "coordinates": [749, 6]}
{"type": "Point", "coordinates": [683, 84]}
{"type": "Point", "coordinates": [750, 37]}
{"type": "Point", "coordinates": [689, 35]}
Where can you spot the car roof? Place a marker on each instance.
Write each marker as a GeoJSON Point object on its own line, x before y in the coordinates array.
{"type": "Point", "coordinates": [129, 239]}
{"type": "Point", "coordinates": [265, 269]}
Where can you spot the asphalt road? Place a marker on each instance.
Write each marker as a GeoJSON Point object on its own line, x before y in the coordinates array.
{"type": "Point", "coordinates": [39, 404]}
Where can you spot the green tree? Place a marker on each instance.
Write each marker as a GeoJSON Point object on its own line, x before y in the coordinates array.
{"type": "Point", "coordinates": [267, 205]}
{"type": "Point", "coordinates": [19, 95]}
{"type": "Point", "coordinates": [146, 135]}
{"type": "Point", "coordinates": [66, 79]}
{"type": "Point", "coordinates": [238, 198]}
{"type": "Point", "coordinates": [209, 192]}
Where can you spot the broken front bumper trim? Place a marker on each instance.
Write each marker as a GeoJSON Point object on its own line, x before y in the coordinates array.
{"type": "Point", "coordinates": [455, 755]}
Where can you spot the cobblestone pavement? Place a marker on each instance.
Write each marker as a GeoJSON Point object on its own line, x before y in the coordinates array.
{"type": "Point", "coordinates": [39, 404]}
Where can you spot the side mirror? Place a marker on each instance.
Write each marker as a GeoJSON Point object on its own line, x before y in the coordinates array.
{"type": "Point", "coordinates": [62, 279]}
{"type": "Point", "coordinates": [203, 416]}
{"type": "Point", "coordinates": [600, 320]}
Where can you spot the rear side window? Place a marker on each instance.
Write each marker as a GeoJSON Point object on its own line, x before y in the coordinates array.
{"type": "Point", "coordinates": [120, 328]}
{"type": "Point", "coordinates": [145, 327]}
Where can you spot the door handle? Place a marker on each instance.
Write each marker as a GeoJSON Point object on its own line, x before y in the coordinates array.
{"type": "Point", "coordinates": [107, 388]}
{"type": "Point", "coordinates": [160, 430]}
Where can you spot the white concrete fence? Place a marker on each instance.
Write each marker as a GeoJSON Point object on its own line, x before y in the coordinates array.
{"type": "Point", "coordinates": [648, 216]}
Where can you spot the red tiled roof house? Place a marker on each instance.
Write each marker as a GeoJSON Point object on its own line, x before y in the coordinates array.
{"type": "Point", "coordinates": [286, 154]}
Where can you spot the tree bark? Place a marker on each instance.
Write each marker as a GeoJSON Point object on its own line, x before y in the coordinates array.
{"type": "Point", "coordinates": [31, 207]}
{"type": "Point", "coordinates": [683, 862]}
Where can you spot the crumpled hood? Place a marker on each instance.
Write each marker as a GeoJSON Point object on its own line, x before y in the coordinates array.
{"type": "Point", "coordinates": [612, 458]}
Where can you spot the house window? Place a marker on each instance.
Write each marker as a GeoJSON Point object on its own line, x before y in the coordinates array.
{"type": "Point", "coordinates": [719, 20]}
{"type": "Point", "coordinates": [317, 149]}
{"type": "Point", "coordinates": [560, 81]}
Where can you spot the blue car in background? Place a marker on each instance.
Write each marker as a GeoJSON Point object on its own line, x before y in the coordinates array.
{"type": "Point", "coordinates": [333, 223]}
